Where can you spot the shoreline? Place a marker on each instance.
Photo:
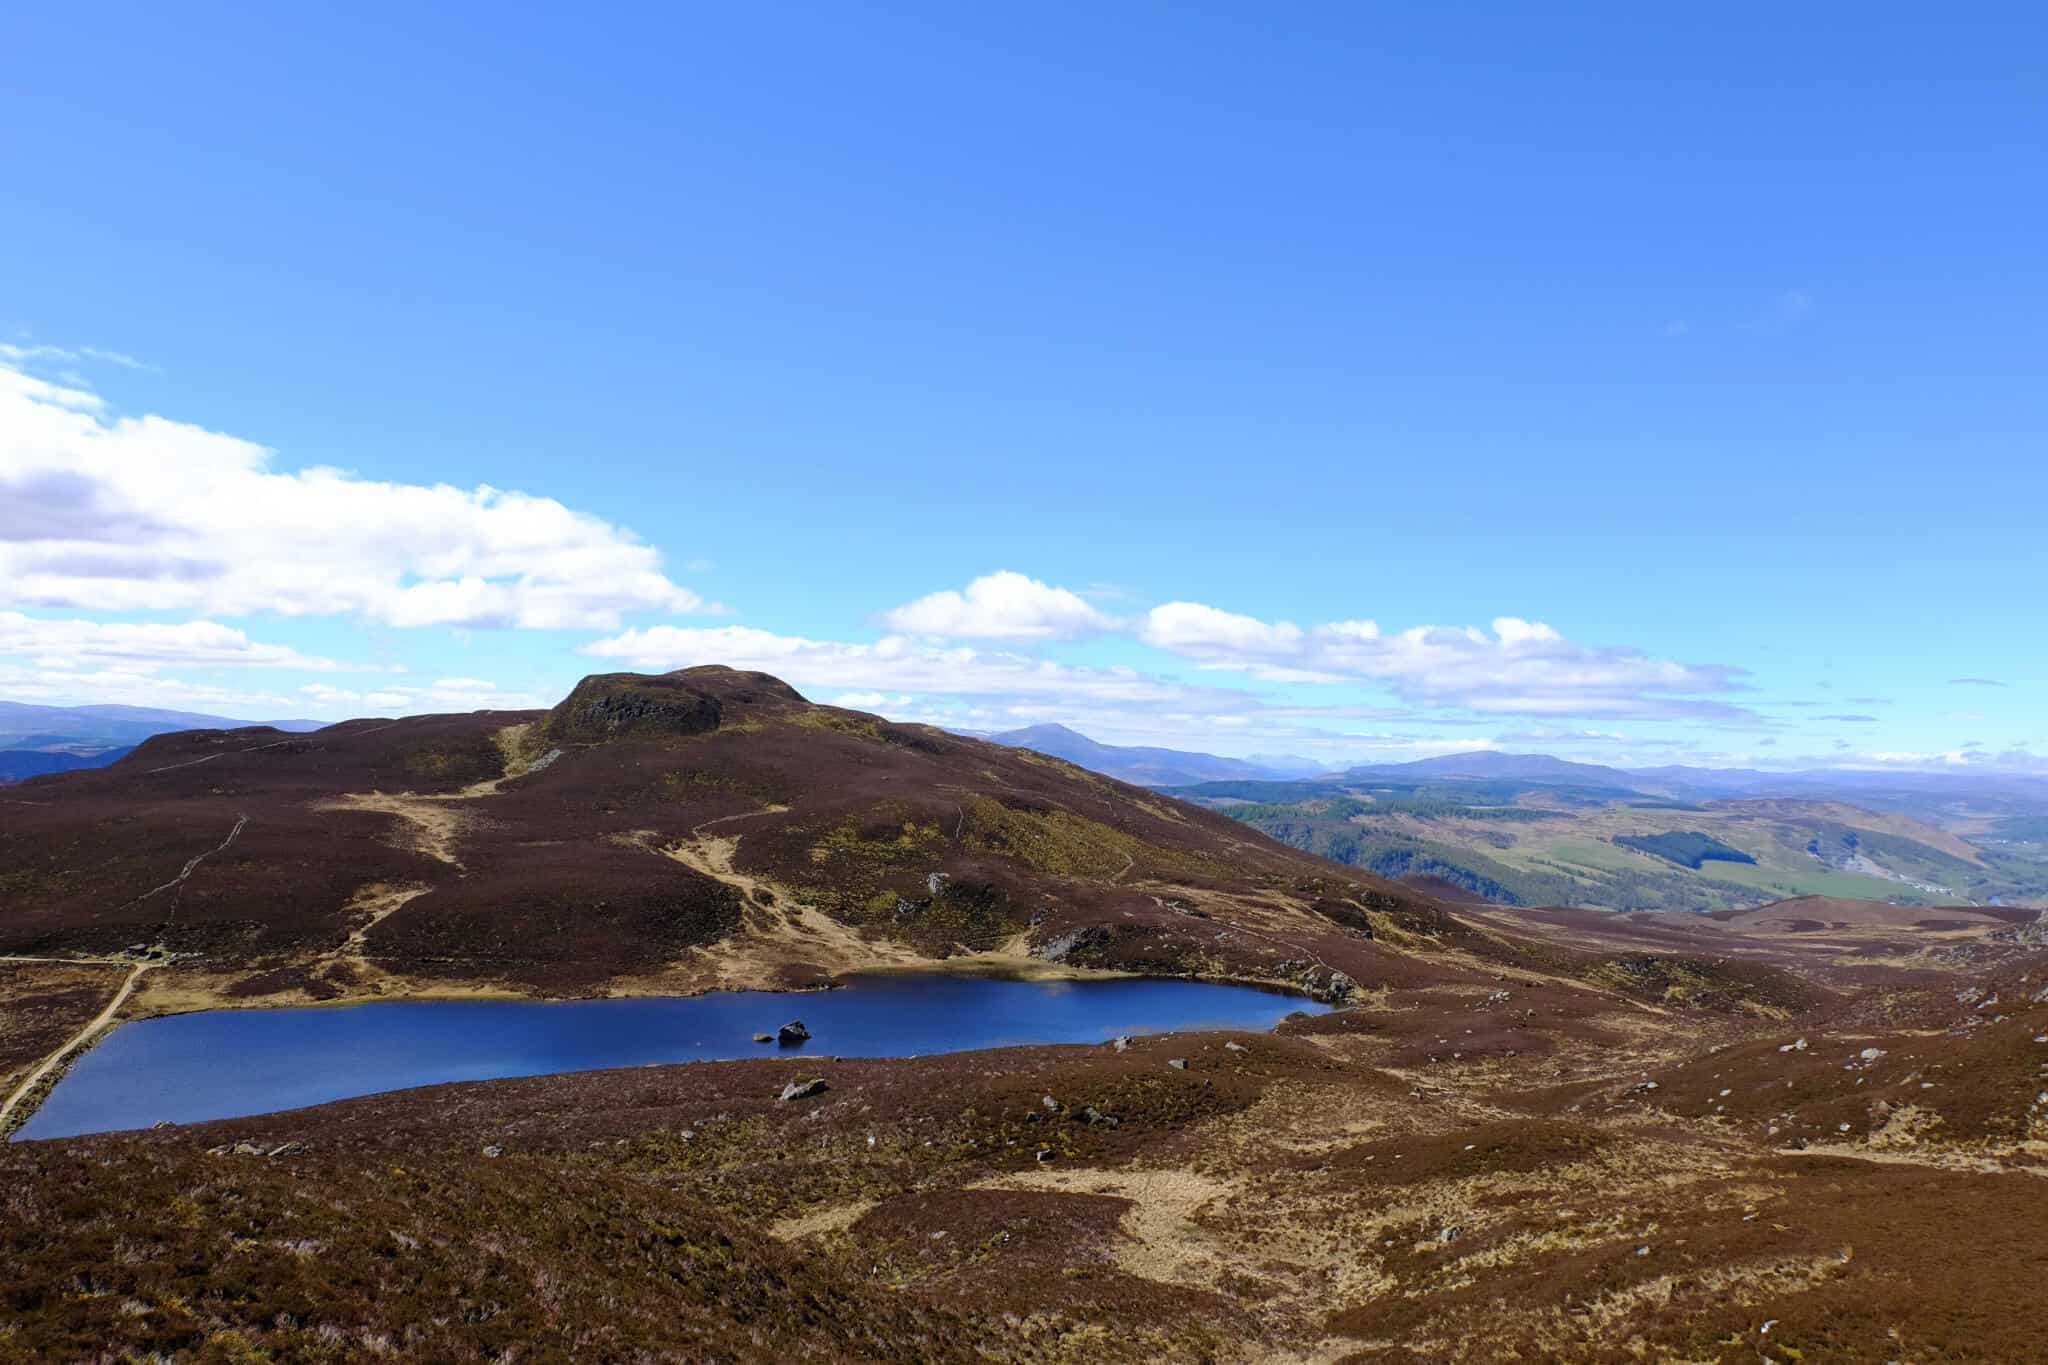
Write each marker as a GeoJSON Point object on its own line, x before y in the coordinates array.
{"type": "Point", "coordinates": [47, 1084]}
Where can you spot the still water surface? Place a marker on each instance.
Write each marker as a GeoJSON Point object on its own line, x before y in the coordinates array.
{"type": "Point", "coordinates": [227, 1063]}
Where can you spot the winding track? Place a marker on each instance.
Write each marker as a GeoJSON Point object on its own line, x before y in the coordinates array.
{"type": "Point", "coordinates": [106, 1016]}
{"type": "Point", "coordinates": [78, 1039]}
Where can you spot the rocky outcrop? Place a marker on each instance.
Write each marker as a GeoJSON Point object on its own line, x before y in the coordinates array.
{"type": "Point", "coordinates": [802, 1090]}
{"type": "Point", "coordinates": [607, 705]}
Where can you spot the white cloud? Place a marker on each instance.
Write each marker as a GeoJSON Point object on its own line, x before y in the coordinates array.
{"type": "Point", "coordinates": [1522, 668]}
{"type": "Point", "coordinates": [1001, 606]}
{"type": "Point", "coordinates": [71, 644]}
{"type": "Point", "coordinates": [1914, 759]}
{"type": "Point", "coordinates": [892, 664]}
{"type": "Point", "coordinates": [133, 686]}
{"type": "Point", "coordinates": [861, 701]}
{"type": "Point", "coordinates": [968, 688]}
{"type": "Point", "coordinates": [448, 694]}
{"type": "Point", "coordinates": [1206, 632]}
{"type": "Point", "coordinates": [144, 513]}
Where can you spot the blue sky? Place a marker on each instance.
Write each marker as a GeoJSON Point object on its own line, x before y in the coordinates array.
{"type": "Point", "coordinates": [1661, 386]}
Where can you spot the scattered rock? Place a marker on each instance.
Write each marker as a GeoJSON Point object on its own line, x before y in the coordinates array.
{"type": "Point", "coordinates": [764, 1037]}
{"type": "Point", "coordinates": [802, 1090]}
{"type": "Point", "coordinates": [163, 1123]}
{"type": "Point", "coordinates": [1178, 1063]}
{"type": "Point", "coordinates": [1799, 1046]}
{"type": "Point", "coordinates": [1235, 1047]}
{"type": "Point", "coordinates": [287, 1149]}
{"type": "Point", "coordinates": [247, 1149]}
{"type": "Point", "coordinates": [1450, 1234]}
{"type": "Point", "coordinates": [1095, 936]}
{"type": "Point", "coordinates": [494, 1151]}
{"type": "Point", "coordinates": [1052, 1106]}
{"type": "Point", "coordinates": [792, 1033]}
{"type": "Point", "coordinates": [1123, 1044]}
{"type": "Point", "coordinates": [1045, 1154]}
{"type": "Point", "coordinates": [1871, 1054]}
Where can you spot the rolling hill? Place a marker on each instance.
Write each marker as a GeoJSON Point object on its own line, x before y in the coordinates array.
{"type": "Point", "coordinates": [1526, 1134]}
{"type": "Point", "coordinates": [1146, 767]}
{"type": "Point", "coordinates": [663, 833]}
{"type": "Point", "coordinates": [35, 740]}
{"type": "Point", "coordinates": [1527, 842]}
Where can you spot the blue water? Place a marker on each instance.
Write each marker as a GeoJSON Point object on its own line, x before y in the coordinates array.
{"type": "Point", "coordinates": [226, 1063]}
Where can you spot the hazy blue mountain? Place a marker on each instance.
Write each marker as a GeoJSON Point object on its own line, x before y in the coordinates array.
{"type": "Point", "coordinates": [54, 726]}
{"type": "Point", "coordinates": [1492, 765]}
{"type": "Point", "coordinates": [52, 739]}
{"type": "Point", "coordinates": [16, 764]}
{"type": "Point", "coordinates": [1143, 766]}
{"type": "Point", "coordinates": [1290, 765]}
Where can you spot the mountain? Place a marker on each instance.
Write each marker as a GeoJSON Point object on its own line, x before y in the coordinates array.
{"type": "Point", "coordinates": [1146, 767]}
{"type": "Point", "coordinates": [1506, 1107]}
{"type": "Point", "coordinates": [1527, 841]}
{"type": "Point", "coordinates": [1491, 765]}
{"type": "Point", "coordinates": [1288, 765]}
{"type": "Point", "coordinates": [667, 833]}
{"type": "Point", "coordinates": [16, 764]}
{"type": "Point", "coordinates": [112, 724]}
{"type": "Point", "coordinates": [48, 739]}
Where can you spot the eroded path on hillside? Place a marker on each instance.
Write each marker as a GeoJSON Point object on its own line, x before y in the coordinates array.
{"type": "Point", "coordinates": [76, 1041]}
{"type": "Point", "coordinates": [776, 926]}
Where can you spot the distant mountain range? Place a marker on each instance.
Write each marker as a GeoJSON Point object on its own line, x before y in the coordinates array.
{"type": "Point", "coordinates": [1890, 790]}
{"type": "Point", "coordinates": [51, 739]}
{"type": "Point", "coordinates": [1493, 766]}
{"type": "Point", "coordinates": [1148, 767]}
{"type": "Point", "coordinates": [1533, 829]}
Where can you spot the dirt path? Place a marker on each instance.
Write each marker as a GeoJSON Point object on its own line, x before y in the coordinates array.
{"type": "Point", "coordinates": [191, 866]}
{"type": "Point", "coordinates": [74, 1042]}
{"type": "Point", "coordinates": [436, 820]}
{"type": "Point", "coordinates": [776, 927]}
{"type": "Point", "coordinates": [380, 902]}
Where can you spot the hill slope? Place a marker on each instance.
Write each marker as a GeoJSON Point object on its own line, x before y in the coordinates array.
{"type": "Point", "coordinates": [1549, 1134]}
{"type": "Point", "coordinates": [687, 831]}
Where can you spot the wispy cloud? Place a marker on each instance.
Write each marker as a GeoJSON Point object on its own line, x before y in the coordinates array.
{"type": "Point", "coordinates": [1520, 668]}
{"type": "Point", "coordinates": [69, 645]}
{"type": "Point", "coordinates": [1975, 682]}
{"type": "Point", "coordinates": [20, 353]}
{"type": "Point", "coordinates": [898, 664]}
{"type": "Point", "coordinates": [442, 695]}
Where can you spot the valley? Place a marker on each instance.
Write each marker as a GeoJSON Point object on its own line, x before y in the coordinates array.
{"type": "Point", "coordinates": [1524, 843]}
